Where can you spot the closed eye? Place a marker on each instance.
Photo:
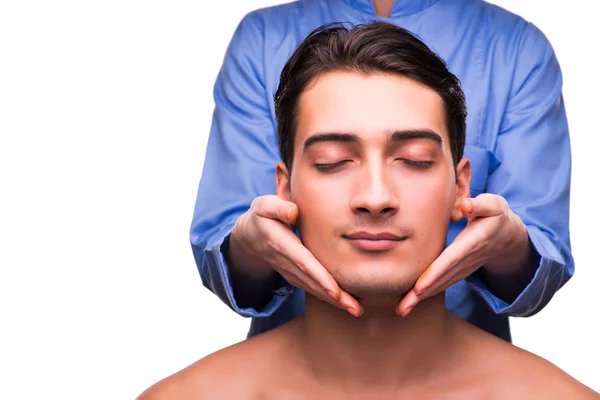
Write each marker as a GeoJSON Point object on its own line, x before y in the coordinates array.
{"type": "Point", "coordinates": [417, 164]}
{"type": "Point", "coordinates": [332, 166]}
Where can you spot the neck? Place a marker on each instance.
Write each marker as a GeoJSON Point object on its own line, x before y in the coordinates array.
{"type": "Point", "coordinates": [379, 348]}
{"type": "Point", "coordinates": [383, 8]}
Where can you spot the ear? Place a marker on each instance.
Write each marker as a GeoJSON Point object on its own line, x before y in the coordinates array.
{"type": "Point", "coordinates": [463, 187]}
{"type": "Point", "coordinates": [282, 182]}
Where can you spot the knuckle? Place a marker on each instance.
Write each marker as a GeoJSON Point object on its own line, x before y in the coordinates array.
{"type": "Point", "coordinates": [320, 293]}
{"type": "Point", "coordinates": [501, 203]}
{"type": "Point", "coordinates": [274, 243]}
{"type": "Point", "coordinates": [478, 239]}
{"type": "Point", "coordinates": [452, 262]}
{"type": "Point", "coordinates": [333, 302]}
{"type": "Point", "coordinates": [255, 205]}
{"type": "Point", "coordinates": [303, 266]}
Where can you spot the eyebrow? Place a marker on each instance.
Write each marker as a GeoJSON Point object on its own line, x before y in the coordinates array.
{"type": "Point", "coordinates": [352, 138]}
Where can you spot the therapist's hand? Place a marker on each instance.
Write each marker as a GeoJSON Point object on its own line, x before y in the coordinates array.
{"type": "Point", "coordinates": [494, 236]}
{"type": "Point", "coordinates": [262, 241]}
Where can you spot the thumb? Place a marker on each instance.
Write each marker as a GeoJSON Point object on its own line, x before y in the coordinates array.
{"type": "Point", "coordinates": [484, 205]}
{"type": "Point", "coordinates": [274, 207]}
{"type": "Point", "coordinates": [284, 210]}
{"type": "Point", "coordinates": [289, 212]}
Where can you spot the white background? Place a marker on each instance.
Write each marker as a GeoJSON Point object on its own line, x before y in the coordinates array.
{"type": "Point", "coordinates": [105, 109]}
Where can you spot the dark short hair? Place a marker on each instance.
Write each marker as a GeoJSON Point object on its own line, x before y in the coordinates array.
{"type": "Point", "coordinates": [372, 48]}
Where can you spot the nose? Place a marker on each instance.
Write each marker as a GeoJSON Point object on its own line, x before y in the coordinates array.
{"type": "Point", "coordinates": [374, 193]}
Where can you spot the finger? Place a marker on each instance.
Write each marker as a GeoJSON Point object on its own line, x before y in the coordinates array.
{"type": "Point", "coordinates": [274, 207]}
{"type": "Point", "coordinates": [285, 244]}
{"type": "Point", "coordinates": [457, 274]}
{"type": "Point", "coordinates": [300, 256]}
{"type": "Point", "coordinates": [351, 304]}
{"type": "Point", "coordinates": [458, 250]}
{"type": "Point", "coordinates": [461, 275]}
{"type": "Point", "coordinates": [346, 302]}
{"type": "Point", "coordinates": [484, 205]}
{"type": "Point", "coordinates": [411, 299]}
{"type": "Point", "coordinates": [311, 287]}
{"type": "Point", "coordinates": [441, 284]}
{"type": "Point", "coordinates": [407, 303]}
{"type": "Point", "coordinates": [308, 269]}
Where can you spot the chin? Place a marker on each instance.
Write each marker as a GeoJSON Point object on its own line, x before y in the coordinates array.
{"type": "Point", "coordinates": [376, 285]}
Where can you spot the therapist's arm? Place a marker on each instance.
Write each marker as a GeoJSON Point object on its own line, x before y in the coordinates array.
{"type": "Point", "coordinates": [239, 165]}
{"type": "Point", "coordinates": [534, 176]}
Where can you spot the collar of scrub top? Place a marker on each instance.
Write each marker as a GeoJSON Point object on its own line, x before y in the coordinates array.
{"type": "Point", "coordinates": [400, 7]}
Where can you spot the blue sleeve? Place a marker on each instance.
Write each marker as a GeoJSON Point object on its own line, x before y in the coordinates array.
{"type": "Point", "coordinates": [240, 161]}
{"type": "Point", "coordinates": [534, 174]}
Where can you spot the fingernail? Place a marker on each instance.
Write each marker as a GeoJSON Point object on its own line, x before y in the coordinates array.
{"type": "Point", "coordinates": [409, 309]}
{"type": "Point", "coordinates": [332, 294]}
{"type": "Point", "coordinates": [289, 214]}
{"type": "Point", "coordinates": [471, 206]}
{"type": "Point", "coordinates": [352, 311]}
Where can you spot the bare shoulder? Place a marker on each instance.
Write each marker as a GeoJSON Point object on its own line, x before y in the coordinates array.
{"type": "Point", "coordinates": [532, 374]}
{"type": "Point", "coordinates": [233, 372]}
{"type": "Point", "coordinates": [514, 373]}
{"type": "Point", "coordinates": [204, 378]}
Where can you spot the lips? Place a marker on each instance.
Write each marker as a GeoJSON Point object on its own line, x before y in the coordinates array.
{"type": "Point", "coordinates": [369, 241]}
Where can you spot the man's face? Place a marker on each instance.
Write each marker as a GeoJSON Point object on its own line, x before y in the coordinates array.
{"type": "Point", "coordinates": [373, 179]}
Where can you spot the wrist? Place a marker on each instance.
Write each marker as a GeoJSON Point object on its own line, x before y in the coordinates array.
{"type": "Point", "coordinates": [252, 281]}
{"type": "Point", "coordinates": [242, 262]}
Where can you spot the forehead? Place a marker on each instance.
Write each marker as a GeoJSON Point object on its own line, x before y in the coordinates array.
{"type": "Point", "coordinates": [368, 105]}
